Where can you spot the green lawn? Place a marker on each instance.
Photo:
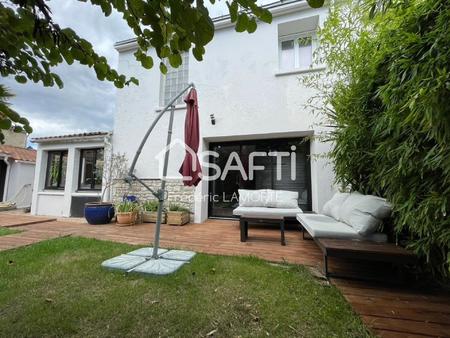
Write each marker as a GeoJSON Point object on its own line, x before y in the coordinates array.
{"type": "Point", "coordinates": [6, 231]}
{"type": "Point", "coordinates": [57, 288]}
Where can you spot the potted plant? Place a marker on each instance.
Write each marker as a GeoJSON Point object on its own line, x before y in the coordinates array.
{"type": "Point", "coordinates": [127, 212]}
{"type": "Point", "coordinates": [178, 215]}
{"type": "Point", "coordinates": [101, 212]}
{"type": "Point", "coordinates": [150, 212]}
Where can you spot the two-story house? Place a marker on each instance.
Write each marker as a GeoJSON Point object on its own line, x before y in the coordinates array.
{"type": "Point", "coordinates": [250, 99]}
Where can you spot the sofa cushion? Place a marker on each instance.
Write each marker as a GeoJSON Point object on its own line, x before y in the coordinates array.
{"type": "Point", "coordinates": [366, 213]}
{"type": "Point", "coordinates": [333, 206]}
{"type": "Point", "coordinates": [252, 198]}
{"type": "Point", "coordinates": [267, 213]}
{"type": "Point", "coordinates": [348, 205]}
{"type": "Point", "coordinates": [282, 199]}
{"type": "Point", "coordinates": [322, 226]}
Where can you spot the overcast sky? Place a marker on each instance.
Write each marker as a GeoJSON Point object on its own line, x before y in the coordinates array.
{"type": "Point", "coordinates": [84, 104]}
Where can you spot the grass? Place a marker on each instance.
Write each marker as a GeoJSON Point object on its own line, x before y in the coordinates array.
{"type": "Point", "coordinates": [6, 231]}
{"type": "Point", "coordinates": [57, 288]}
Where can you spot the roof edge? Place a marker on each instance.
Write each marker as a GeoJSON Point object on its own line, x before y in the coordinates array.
{"type": "Point", "coordinates": [277, 9]}
{"type": "Point", "coordinates": [72, 137]}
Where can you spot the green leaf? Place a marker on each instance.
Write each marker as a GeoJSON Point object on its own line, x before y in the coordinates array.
{"type": "Point", "coordinates": [242, 22]}
{"type": "Point", "coordinates": [5, 124]}
{"type": "Point", "coordinates": [198, 52]}
{"type": "Point", "coordinates": [233, 9]}
{"type": "Point", "coordinates": [266, 15]}
{"type": "Point", "coordinates": [162, 68]}
{"type": "Point", "coordinates": [134, 81]}
{"type": "Point", "coordinates": [147, 61]}
{"type": "Point", "coordinates": [251, 26]}
{"type": "Point", "coordinates": [20, 78]}
{"type": "Point", "coordinates": [315, 3]}
{"type": "Point", "coordinates": [165, 52]}
{"type": "Point", "coordinates": [28, 129]}
{"type": "Point", "coordinates": [58, 81]}
{"type": "Point", "coordinates": [106, 8]}
{"type": "Point", "coordinates": [175, 60]}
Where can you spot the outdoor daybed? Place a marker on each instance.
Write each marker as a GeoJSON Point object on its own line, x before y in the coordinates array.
{"type": "Point", "coordinates": [266, 206]}
{"type": "Point", "coordinates": [349, 228]}
{"type": "Point", "coordinates": [348, 216]}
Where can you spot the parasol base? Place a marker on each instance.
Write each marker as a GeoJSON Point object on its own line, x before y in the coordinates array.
{"type": "Point", "coordinates": [123, 262]}
{"type": "Point", "coordinates": [158, 267]}
{"type": "Point", "coordinates": [146, 252]}
{"type": "Point", "coordinates": [140, 261]}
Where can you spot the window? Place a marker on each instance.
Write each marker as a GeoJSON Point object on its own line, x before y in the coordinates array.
{"type": "Point", "coordinates": [296, 52]}
{"type": "Point", "coordinates": [55, 177]}
{"type": "Point", "coordinates": [174, 81]}
{"type": "Point", "coordinates": [91, 169]}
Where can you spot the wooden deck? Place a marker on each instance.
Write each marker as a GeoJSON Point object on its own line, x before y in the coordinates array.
{"type": "Point", "coordinates": [8, 219]}
{"type": "Point", "coordinates": [389, 311]}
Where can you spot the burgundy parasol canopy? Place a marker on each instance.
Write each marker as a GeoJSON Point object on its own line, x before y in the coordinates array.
{"type": "Point", "coordinates": [191, 169]}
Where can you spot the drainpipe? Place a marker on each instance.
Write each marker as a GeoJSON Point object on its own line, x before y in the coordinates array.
{"type": "Point", "coordinates": [109, 148]}
{"type": "Point", "coordinates": [5, 188]}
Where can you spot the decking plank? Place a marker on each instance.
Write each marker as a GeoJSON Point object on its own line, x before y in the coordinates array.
{"type": "Point", "coordinates": [407, 326]}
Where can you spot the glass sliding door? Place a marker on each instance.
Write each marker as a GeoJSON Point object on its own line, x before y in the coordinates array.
{"type": "Point", "coordinates": [279, 164]}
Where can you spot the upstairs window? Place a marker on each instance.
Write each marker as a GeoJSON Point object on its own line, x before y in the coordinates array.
{"type": "Point", "coordinates": [91, 169]}
{"type": "Point", "coordinates": [174, 81]}
{"type": "Point", "coordinates": [55, 176]}
{"type": "Point", "coordinates": [296, 52]}
{"type": "Point", "coordinates": [297, 43]}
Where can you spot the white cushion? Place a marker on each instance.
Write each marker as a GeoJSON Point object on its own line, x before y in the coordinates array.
{"type": "Point", "coordinates": [282, 199]}
{"type": "Point", "coordinates": [348, 205]}
{"type": "Point", "coordinates": [267, 213]}
{"type": "Point", "coordinates": [333, 206]}
{"type": "Point", "coordinates": [252, 198]}
{"type": "Point", "coordinates": [366, 214]}
{"type": "Point", "coordinates": [322, 226]}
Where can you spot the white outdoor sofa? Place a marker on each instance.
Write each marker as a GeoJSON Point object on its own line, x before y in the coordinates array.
{"type": "Point", "coordinates": [348, 228]}
{"type": "Point", "coordinates": [350, 216]}
{"type": "Point", "coordinates": [266, 206]}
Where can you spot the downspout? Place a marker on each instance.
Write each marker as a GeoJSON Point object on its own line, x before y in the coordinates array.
{"type": "Point", "coordinates": [109, 146]}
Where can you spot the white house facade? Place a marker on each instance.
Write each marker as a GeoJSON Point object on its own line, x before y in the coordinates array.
{"type": "Point", "coordinates": [69, 172]}
{"type": "Point", "coordinates": [250, 100]}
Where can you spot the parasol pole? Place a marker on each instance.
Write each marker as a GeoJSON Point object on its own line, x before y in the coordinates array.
{"type": "Point", "coordinates": [161, 194]}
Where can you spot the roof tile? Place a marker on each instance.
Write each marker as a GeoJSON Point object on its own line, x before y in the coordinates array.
{"type": "Point", "coordinates": [17, 153]}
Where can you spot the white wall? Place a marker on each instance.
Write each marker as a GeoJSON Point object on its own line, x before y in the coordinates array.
{"type": "Point", "coordinates": [239, 82]}
{"type": "Point", "coordinates": [21, 173]}
{"type": "Point", "coordinates": [58, 202]}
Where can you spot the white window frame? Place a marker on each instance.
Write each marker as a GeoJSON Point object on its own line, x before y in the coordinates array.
{"type": "Point", "coordinates": [162, 86]}
{"type": "Point", "coordinates": [295, 37]}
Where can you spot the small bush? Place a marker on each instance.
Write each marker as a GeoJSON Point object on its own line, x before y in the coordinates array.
{"type": "Point", "coordinates": [127, 206]}
{"type": "Point", "coordinates": [177, 207]}
{"type": "Point", "coordinates": [150, 205]}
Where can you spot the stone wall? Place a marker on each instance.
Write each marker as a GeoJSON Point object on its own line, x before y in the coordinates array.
{"type": "Point", "coordinates": [178, 193]}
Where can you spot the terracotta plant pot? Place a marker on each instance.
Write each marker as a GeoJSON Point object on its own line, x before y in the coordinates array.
{"type": "Point", "coordinates": [151, 216]}
{"type": "Point", "coordinates": [178, 217]}
{"type": "Point", "coordinates": [126, 218]}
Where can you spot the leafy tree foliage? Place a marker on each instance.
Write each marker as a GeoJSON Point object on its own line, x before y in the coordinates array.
{"type": "Point", "coordinates": [9, 119]}
{"type": "Point", "coordinates": [389, 106]}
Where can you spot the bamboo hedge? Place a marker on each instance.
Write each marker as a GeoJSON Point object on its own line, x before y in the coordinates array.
{"type": "Point", "coordinates": [389, 106]}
